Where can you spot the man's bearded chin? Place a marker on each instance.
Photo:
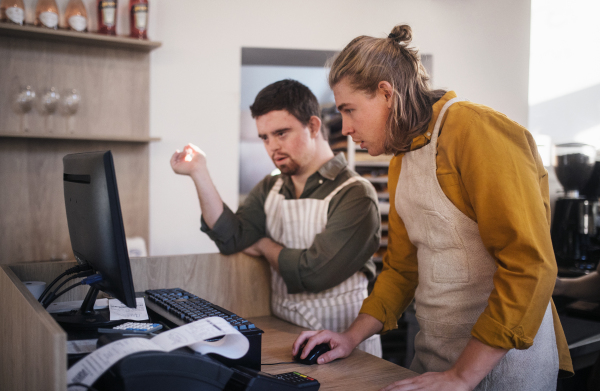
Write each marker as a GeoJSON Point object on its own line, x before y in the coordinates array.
{"type": "Point", "coordinates": [288, 169]}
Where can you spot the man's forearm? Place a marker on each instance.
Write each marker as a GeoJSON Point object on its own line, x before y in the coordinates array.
{"type": "Point", "coordinates": [270, 250]}
{"type": "Point", "coordinates": [211, 204]}
{"type": "Point", "coordinates": [362, 328]}
{"type": "Point", "coordinates": [476, 361]}
{"type": "Point", "coordinates": [583, 288]}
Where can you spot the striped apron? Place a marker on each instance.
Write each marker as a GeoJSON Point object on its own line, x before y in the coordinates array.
{"type": "Point", "coordinates": [455, 281]}
{"type": "Point", "coordinates": [294, 224]}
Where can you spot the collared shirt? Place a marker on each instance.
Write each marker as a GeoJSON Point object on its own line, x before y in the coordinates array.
{"type": "Point", "coordinates": [490, 169]}
{"type": "Point", "coordinates": [345, 246]}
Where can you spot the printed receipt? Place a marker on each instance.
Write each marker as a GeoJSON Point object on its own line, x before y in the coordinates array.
{"type": "Point", "coordinates": [119, 311]}
{"type": "Point", "coordinates": [194, 335]}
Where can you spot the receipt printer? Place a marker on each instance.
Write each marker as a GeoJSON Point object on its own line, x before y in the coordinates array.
{"type": "Point", "coordinates": [180, 370]}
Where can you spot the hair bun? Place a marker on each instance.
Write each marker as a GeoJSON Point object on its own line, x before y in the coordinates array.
{"type": "Point", "coordinates": [401, 34]}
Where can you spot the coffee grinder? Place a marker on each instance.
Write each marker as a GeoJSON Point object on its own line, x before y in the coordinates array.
{"type": "Point", "coordinates": [575, 231]}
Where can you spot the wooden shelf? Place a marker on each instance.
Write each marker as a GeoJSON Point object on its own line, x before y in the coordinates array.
{"type": "Point", "coordinates": [81, 138]}
{"type": "Point", "coordinates": [88, 38]}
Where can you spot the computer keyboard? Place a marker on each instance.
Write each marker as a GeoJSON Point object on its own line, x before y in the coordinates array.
{"type": "Point", "coordinates": [184, 307]}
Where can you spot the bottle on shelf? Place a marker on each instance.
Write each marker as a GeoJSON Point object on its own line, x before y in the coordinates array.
{"type": "Point", "coordinates": [107, 17]}
{"type": "Point", "coordinates": [12, 11]}
{"type": "Point", "coordinates": [76, 16]}
{"type": "Point", "coordinates": [138, 20]}
{"type": "Point", "coordinates": [46, 14]}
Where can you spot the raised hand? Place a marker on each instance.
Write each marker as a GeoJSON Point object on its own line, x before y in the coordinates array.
{"type": "Point", "coordinates": [188, 161]}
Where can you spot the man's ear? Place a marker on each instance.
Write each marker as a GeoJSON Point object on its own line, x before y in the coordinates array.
{"type": "Point", "coordinates": [386, 91]}
{"type": "Point", "coordinates": [314, 124]}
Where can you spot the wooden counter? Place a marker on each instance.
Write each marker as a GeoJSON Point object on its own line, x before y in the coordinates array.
{"type": "Point", "coordinates": [33, 345]}
{"type": "Point", "coordinates": [359, 371]}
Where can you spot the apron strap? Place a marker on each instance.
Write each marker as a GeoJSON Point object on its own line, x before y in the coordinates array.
{"type": "Point", "coordinates": [272, 209]}
{"type": "Point", "coordinates": [273, 193]}
{"type": "Point", "coordinates": [438, 122]}
{"type": "Point", "coordinates": [340, 187]}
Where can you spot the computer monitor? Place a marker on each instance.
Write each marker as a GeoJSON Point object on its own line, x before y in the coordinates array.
{"type": "Point", "coordinates": [97, 233]}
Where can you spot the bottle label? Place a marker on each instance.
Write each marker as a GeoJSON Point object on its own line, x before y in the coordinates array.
{"type": "Point", "coordinates": [108, 9]}
{"type": "Point", "coordinates": [49, 19]}
{"type": "Point", "coordinates": [78, 22]}
{"type": "Point", "coordinates": [140, 16]}
{"type": "Point", "coordinates": [15, 14]}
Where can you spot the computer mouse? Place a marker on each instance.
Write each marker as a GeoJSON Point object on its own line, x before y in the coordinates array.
{"type": "Point", "coordinates": [314, 354]}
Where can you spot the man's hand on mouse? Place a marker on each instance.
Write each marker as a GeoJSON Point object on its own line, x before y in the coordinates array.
{"type": "Point", "coordinates": [341, 344]}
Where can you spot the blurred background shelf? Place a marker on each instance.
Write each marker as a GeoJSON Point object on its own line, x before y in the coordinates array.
{"type": "Point", "coordinates": [115, 138]}
{"type": "Point", "coordinates": [87, 38]}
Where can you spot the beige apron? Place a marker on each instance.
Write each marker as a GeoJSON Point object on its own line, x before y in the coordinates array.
{"type": "Point", "coordinates": [455, 280]}
{"type": "Point", "coordinates": [295, 223]}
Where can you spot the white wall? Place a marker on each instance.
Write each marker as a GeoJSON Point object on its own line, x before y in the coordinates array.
{"type": "Point", "coordinates": [564, 84]}
{"type": "Point", "coordinates": [480, 49]}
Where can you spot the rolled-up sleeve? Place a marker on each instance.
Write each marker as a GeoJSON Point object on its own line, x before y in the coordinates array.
{"type": "Point", "coordinates": [503, 182]}
{"type": "Point", "coordinates": [349, 240]}
{"type": "Point", "coordinates": [233, 232]}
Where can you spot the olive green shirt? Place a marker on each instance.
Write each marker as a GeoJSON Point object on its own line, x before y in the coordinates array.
{"type": "Point", "coordinates": [345, 246]}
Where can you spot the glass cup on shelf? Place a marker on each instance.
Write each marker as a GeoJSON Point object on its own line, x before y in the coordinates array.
{"type": "Point", "coordinates": [24, 99]}
{"type": "Point", "coordinates": [47, 105]}
{"type": "Point", "coordinates": [50, 100]}
{"type": "Point", "coordinates": [22, 104]}
{"type": "Point", "coordinates": [70, 105]}
{"type": "Point", "coordinates": [70, 101]}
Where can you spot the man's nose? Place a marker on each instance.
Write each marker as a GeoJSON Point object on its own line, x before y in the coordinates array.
{"type": "Point", "coordinates": [346, 128]}
{"type": "Point", "coordinates": [272, 145]}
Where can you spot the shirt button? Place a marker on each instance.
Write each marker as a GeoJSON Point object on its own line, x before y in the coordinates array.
{"type": "Point", "coordinates": [320, 181]}
{"type": "Point", "coordinates": [428, 134]}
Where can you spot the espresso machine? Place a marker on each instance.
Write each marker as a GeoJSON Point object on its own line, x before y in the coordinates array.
{"type": "Point", "coordinates": [575, 227]}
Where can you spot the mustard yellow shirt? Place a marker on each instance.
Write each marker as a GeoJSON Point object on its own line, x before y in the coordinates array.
{"type": "Point", "coordinates": [489, 167]}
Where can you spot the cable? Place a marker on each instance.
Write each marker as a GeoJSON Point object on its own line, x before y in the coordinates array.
{"type": "Point", "coordinates": [279, 363]}
{"type": "Point", "coordinates": [53, 297]}
{"type": "Point", "coordinates": [74, 269]}
{"type": "Point", "coordinates": [86, 281]}
{"type": "Point", "coordinates": [85, 273]}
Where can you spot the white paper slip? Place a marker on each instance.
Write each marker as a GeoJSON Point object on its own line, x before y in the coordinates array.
{"type": "Point", "coordinates": [120, 311]}
{"type": "Point", "coordinates": [65, 306]}
{"type": "Point", "coordinates": [81, 346]}
{"type": "Point", "coordinates": [233, 345]}
{"type": "Point", "coordinates": [91, 367]}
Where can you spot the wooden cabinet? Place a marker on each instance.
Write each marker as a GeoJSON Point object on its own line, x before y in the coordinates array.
{"type": "Point", "coordinates": [111, 75]}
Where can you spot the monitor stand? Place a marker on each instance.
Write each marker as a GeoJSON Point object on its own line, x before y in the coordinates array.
{"type": "Point", "coordinates": [86, 318]}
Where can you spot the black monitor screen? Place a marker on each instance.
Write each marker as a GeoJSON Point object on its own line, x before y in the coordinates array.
{"type": "Point", "coordinates": [95, 221]}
